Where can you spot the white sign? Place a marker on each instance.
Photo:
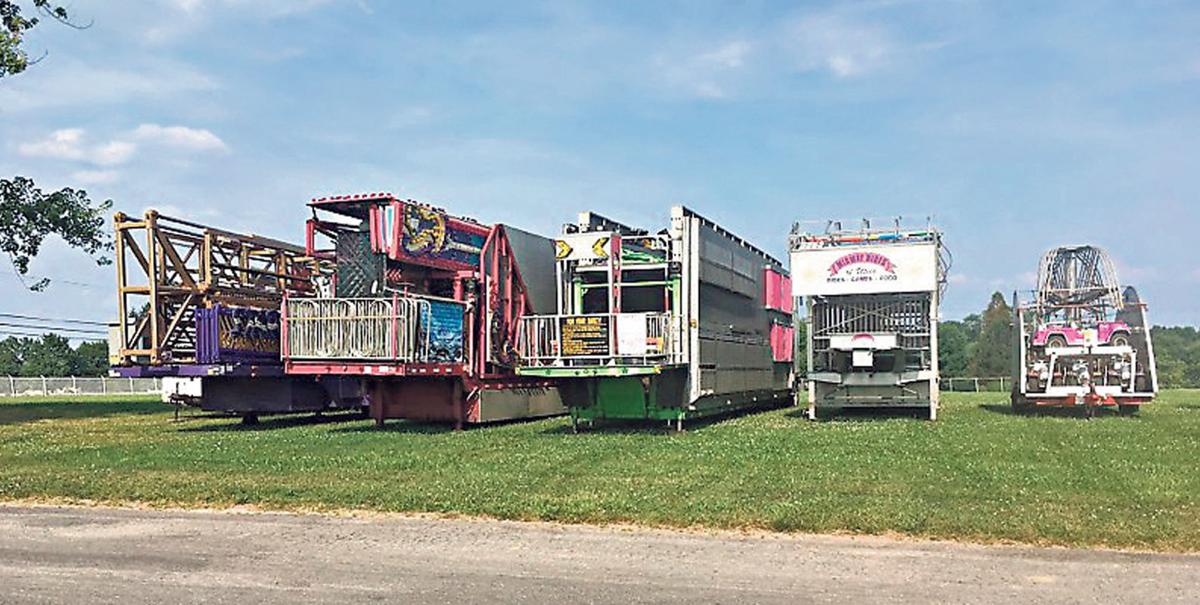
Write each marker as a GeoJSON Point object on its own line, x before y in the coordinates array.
{"type": "Point", "coordinates": [862, 341]}
{"type": "Point", "coordinates": [583, 246]}
{"type": "Point", "coordinates": [865, 269]}
{"type": "Point", "coordinates": [631, 334]}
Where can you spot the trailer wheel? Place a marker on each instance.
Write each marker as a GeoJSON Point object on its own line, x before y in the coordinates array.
{"type": "Point", "coordinates": [1119, 340]}
{"type": "Point", "coordinates": [1020, 403]}
{"type": "Point", "coordinates": [1128, 410]}
{"type": "Point", "coordinates": [249, 419]}
{"type": "Point", "coordinates": [1056, 341]}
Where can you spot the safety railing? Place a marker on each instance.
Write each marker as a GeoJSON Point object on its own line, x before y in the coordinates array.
{"type": "Point", "coordinates": [37, 386]}
{"type": "Point", "coordinates": [400, 329]}
{"type": "Point", "coordinates": [600, 339]}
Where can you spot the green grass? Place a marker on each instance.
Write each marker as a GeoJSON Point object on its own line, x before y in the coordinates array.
{"type": "Point", "coordinates": [978, 473]}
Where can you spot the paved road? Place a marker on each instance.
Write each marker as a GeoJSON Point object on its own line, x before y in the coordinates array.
{"type": "Point", "coordinates": [86, 555]}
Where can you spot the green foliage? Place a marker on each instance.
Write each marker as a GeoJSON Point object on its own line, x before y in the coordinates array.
{"type": "Point", "coordinates": [28, 215]}
{"type": "Point", "coordinates": [955, 345]}
{"type": "Point", "coordinates": [978, 473]}
{"type": "Point", "coordinates": [1177, 352]}
{"type": "Point", "coordinates": [13, 59]}
{"type": "Point", "coordinates": [992, 354]}
{"type": "Point", "coordinates": [52, 355]}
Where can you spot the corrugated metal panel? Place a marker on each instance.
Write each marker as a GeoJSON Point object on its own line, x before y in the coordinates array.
{"type": "Point", "coordinates": [535, 258]}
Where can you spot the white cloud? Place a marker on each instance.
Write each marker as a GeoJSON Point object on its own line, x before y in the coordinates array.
{"type": "Point", "coordinates": [841, 46]}
{"type": "Point", "coordinates": [95, 177]}
{"type": "Point", "coordinates": [196, 139]}
{"type": "Point", "coordinates": [76, 84]}
{"type": "Point", "coordinates": [113, 153]}
{"type": "Point", "coordinates": [731, 55]}
{"type": "Point", "coordinates": [705, 74]}
{"type": "Point", "coordinates": [407, 117]}
{"type": "Point", "coordinates": [65, 144]}
{"type": "Point", "coordinates": [71, 144]}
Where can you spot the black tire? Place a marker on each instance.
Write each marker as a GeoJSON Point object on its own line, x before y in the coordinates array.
{"type": "Point", "coordinates": [1120, 339]}
{"type": "Point", "coordinates": [1020, 403]}
{"type": "Point", "coordinates": [1056, 341]}
{"type": "Point", "coordinates": [250, 419]}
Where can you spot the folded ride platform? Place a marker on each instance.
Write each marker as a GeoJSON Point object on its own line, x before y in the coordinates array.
{"type": "Point", "coordinates": [423, 310]}
{"type": "Point", "coordinates": [1082, 342]}
{"type": "Point", "coordinates": [682, 323]}
{"type": "Point", "coordinates": [200, 307]}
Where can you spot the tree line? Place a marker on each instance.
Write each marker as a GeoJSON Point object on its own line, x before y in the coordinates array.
{"type": "Point", "coordinates": [52, 355]}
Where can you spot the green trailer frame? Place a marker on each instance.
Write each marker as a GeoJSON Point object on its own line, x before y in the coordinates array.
{"type": "Point", "coordinates": [708, 347]}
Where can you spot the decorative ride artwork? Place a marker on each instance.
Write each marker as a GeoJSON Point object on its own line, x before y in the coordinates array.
{"type": "Point", "coordinates": [442, 329]}
{"type": "Point", "coordinates": [430, 234]}
{"type": "Point", "coordinates": [228, 334]}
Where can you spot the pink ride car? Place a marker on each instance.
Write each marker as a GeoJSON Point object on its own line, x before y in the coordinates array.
{"type": "Point", "coordinates": [1115, 333]}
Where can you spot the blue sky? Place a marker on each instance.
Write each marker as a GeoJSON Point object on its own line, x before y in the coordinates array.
{"type": "Point", "coordinates": [1018, 125]}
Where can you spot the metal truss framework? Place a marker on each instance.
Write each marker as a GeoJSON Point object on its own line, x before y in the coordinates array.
{"type": "Point", "coordinates": [1076, 280]}
{"type": "Point", "coordinates": [167, 268]}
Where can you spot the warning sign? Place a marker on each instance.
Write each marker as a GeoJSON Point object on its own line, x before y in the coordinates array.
{"type": "Point", "coordinates": [562, 249]}
{"type": "Point", "coordinates": [584, 335]}
{"type": "Point", "coordinates": [583, 246]}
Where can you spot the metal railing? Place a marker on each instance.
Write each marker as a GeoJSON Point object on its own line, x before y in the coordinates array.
{"type": "Point", "coordinates": [976, 385]}
{"type": "Point", "coordinates": [600, 339]}
{"type": "Point", "coordinates": [26, 386]}
{"type": "Point", "coordinates": [397, 329]}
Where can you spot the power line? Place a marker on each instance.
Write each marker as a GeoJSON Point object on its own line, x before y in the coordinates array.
{"type": "Point", "coordinates": [87, 322]}
{"type": "Point", "coordinates": [52, 280]}
{"type": "Point", "coordinates": [51, 328]}
{"type": "Point", "coordinates": [24, 334]}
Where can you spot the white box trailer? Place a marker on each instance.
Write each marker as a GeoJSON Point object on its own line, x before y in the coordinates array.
{"type": "Point", "coordinates": [871, 297]}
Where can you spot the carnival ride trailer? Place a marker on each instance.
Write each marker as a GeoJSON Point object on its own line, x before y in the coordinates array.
{"type": "Point", "coordinates": [1082, 341]}
{"type": "Point", "coordinates": [682, 323]}
{"type": "Point", "coordinates": [871, 296]}
{"type": "Point", "coordinates": [200, 307]}
{"type": "Point", "coordinates": [422, 310]}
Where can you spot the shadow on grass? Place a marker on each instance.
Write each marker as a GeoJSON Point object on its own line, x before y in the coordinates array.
{"type": "Point", "coordinates": [1054, 412]}
{"type": "Point", "coordinates": [267, 422]}
{"type": "Point", "coordinates": [862, 414]}
{"type": "Point", "coordinates": [406, 427]}
{"type": "Point", "coordinates": [662, 427]}
{"type": "Point", "coordinates": [33, 411]}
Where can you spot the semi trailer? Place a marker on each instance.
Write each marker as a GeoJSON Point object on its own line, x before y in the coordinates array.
{"type": "Point", "coordinates": [200, 307]}
{"type": "Point", "coordinates": [1082, 341]}
{"type": "Point", "coordinates": [871, 298]}
{"type": "Point", "coordinates": [422, 310]}
{"type": "Point", "coordinates": [668, 325]}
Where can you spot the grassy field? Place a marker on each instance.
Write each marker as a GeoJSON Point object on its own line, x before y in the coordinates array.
{"type": "Point", "coordinates": [978, 473]}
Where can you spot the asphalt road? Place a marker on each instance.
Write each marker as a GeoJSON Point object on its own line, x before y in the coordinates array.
{"type": "Point", "coordinates": [104, 555]}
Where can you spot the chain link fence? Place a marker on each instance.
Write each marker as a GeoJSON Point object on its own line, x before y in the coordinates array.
{"type": "Point", "coordinates": [23, 386]}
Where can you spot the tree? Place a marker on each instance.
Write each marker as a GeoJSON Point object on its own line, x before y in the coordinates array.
{"type": "Point", "coordinates": [12, 355]}
{"type": "Point", "coordinates": [1177, 356]}
{"type": "Point", "coordinates": [954, 348]}
{"type": "Point", "coordinates": [13, 59]}
{"type": "Point", "coordinates": [27, 214]}
{"type": "Point", "coordinates": [91, 358]}
{"type": "Point", "coordinates": [992, 354]}
{"type": "Point", "coordinates": [50, 356]}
